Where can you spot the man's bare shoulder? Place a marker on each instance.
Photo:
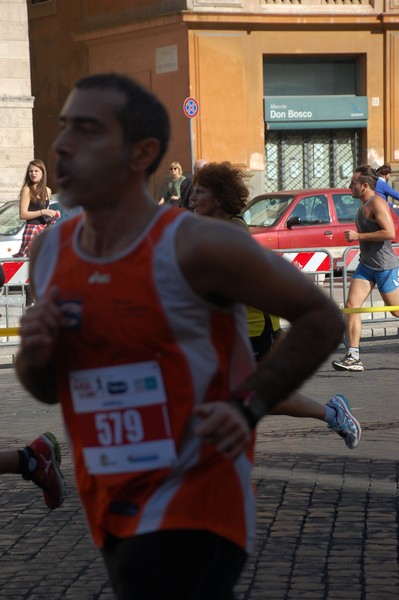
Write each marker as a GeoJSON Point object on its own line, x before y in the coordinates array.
{"type": "Point", "coordinates": [378, 200]}
{"type": "Point", "coordinates": [378, 205]}
{"type": "Point", "coordinates": [220, 260]}
{"type": "Point", "coordinates": [202, 238]}
{"type": "Point", "coordinates": [212, 253]}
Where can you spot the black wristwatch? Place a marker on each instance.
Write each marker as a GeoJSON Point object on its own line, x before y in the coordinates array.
{"type": "Point", "coordinates": [252, 406]}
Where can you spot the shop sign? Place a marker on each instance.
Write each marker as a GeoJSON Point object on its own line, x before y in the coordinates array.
{"type": "Point", "coordinates": [315, 112]}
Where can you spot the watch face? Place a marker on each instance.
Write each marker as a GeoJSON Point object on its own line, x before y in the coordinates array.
{"type": "Point", "coordinates": [253, 408]}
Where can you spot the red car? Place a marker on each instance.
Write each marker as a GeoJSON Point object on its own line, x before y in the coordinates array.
{"type": "Point", "coordinates": [314, 218]}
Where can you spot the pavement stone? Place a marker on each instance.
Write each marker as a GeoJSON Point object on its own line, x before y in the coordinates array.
{"type": "Point", "coordinates": [327, 517]}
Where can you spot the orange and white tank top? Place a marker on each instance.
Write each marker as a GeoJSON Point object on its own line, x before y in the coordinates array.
{"type": "Point", "coordinates": [138, 350]}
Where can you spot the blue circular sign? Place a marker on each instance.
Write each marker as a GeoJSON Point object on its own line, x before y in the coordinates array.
{"type": "Point", "coordinates": [190, 107]}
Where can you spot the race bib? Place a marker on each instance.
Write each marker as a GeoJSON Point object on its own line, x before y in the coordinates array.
{"type": "Point", "coordinates": [123, 419]}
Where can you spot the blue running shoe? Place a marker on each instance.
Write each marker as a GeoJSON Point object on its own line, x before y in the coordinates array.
{"type": "Point", "coordinates": [345, 423]}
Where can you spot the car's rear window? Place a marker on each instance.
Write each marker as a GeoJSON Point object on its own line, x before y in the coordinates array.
{"type": "Point", "coordinates": [10, 223]}
{"type": "Point", "coordinates": [346, 207]}
{"type": "Point", "coordinates": [266, 212]}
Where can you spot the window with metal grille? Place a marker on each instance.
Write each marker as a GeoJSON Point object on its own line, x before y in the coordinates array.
{"type": "Point", "coordinates": [308, 159]}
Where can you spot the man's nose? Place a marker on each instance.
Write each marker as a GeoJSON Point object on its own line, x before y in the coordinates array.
{"type": "Point", "coordinates": [62, 143]}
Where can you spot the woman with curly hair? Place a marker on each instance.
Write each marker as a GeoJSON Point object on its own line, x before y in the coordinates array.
{"type": "Point", "coordinates": [220, 192]}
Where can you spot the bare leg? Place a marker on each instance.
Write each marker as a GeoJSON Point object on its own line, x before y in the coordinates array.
{"type": "Point", "coordinates": [336, 413]}
{"type": "Point", "coordinates": [359, 290]}
{"type": "Point", "coordinates": [391, 299]}
{"type": "Point", "coordinates": [298, 405]}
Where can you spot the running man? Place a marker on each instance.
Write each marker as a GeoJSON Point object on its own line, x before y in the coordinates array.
{"type": "Point", "coordinates": [378, 265]}
{"type": "Point", "coordinates": [147, 301]}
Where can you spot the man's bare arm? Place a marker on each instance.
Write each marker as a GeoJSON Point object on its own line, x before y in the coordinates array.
{"type": "Point", "coordinates": [218, 260]}
{"type": "Point", "coordinates": [381, 213]}
{"type": "Point", "coordinates": [39, 330]}
{"type": "Point", "coordinates": [39, 382]}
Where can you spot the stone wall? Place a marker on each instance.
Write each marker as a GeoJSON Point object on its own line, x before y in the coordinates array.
{"type": "Point", "coordinates": [16, 102]}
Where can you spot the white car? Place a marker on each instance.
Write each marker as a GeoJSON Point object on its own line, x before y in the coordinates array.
{"type": "Point", "coordinates": [11, 226]}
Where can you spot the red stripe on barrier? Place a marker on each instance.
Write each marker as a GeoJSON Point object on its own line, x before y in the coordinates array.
{"type": "Point", "coordinates": [325, 265]}
{"type": "Point", "coordinates": [302, 259]}
{"type": "Point", "coordinates": [10, 268]}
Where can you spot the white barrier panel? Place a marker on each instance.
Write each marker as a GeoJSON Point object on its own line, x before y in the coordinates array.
{"type": "Point", "coordinates": [12, 298]}
{"type": "Point", "coordinates": [310, 261]}
{"type": "Point", "coordinates": [16, 271]}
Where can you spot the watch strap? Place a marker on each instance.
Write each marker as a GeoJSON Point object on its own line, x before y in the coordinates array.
{"type": "Point", "coordinates": [252, 406]}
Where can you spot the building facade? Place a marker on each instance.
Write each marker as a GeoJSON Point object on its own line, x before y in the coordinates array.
{"type": "Point", "coordinates": [16, 101]}
{"type": "Point", "coordinates": [294, 92]}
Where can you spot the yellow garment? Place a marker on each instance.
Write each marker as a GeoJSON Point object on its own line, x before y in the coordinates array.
{"type": "Point", "coordinates": [275, 322]}
{"type": "Point", "coordinates": [255, 317]}
{"type": "Point", "coordinates": [256, 321]}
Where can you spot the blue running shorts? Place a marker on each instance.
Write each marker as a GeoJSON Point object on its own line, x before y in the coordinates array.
{"type": "Point", "coordinates": [386, 281]}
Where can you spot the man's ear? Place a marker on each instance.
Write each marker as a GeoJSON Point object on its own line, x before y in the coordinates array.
{"type": "Point", "coordinates": [144, 153]}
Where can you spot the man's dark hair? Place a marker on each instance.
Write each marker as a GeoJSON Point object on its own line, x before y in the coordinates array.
{"type": "Point", "coordinates": [142, 116]}
{"type": "Point", "coordinates": [367, 175]}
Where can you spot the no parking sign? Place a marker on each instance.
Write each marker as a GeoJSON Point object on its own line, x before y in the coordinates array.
{"type": "Point", "coordinates": [190, 107]}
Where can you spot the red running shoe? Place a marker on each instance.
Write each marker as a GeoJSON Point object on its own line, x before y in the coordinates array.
{"type": "Point", "coordinates": [47, 475]}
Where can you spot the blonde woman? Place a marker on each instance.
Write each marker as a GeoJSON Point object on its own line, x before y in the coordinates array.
{"type": "Point", "coordinates": [172, 194]}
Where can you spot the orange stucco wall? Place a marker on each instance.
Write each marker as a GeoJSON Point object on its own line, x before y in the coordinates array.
{"type": "Point", "coordinates": [392, 97]}
{"type": "Point", "coordinates": [231, 98]}
{"type": "Point", "coordinates": [219, 62]}
{"type": "Point", "coordinates": [135, 54]}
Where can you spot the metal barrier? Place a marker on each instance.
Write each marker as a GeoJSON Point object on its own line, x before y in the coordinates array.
{"type": "Point", "coordinates": [317, 262]}
{"type": "Point", "coordinates": [12, 298]}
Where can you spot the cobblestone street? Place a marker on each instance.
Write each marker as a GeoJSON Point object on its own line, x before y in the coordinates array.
{"type": "Point", "coordinates": [327, 516]}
